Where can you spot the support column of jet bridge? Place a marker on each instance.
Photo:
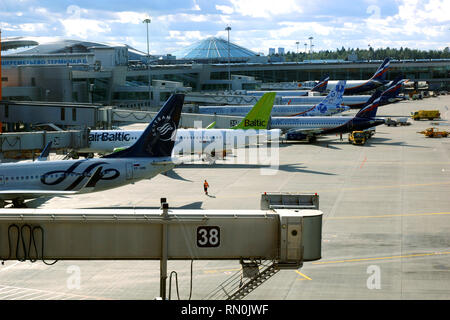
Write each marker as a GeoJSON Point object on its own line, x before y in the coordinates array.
{"type": "Point", "coordinates": [142, 234]}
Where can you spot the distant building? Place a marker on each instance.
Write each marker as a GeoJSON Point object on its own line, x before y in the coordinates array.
{"type": "Point", "coordinates": [217, 50]}
{"type": "Point", "coordinates": [281, 51]}
{"type": "Point", "coordinates": [271, 51]}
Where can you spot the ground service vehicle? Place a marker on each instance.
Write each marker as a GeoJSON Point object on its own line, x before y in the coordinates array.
{"type": "Point", "coordinates": [389, 122]}
{"type": "Point", "coordinates": [358, 137]}
{"type": "Point", "coordinates": [426, 114]}
{"type": "Point", "coordinates": [434, 133]}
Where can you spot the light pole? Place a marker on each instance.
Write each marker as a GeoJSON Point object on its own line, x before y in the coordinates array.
{"type": "Point", "coordinates": [147, 21]}
{"type": "Point", "coordinates": [310, 46]}
{"type": "Point", "coordinates": [228, 28]}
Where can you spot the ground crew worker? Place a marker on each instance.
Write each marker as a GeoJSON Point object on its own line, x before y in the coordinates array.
{"type": "Point", "coordinates": [205, 187]}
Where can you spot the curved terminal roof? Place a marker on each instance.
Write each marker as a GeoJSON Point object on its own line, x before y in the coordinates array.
{"type": "Point", "coordinates": [213, 48]}
{"type": "Point", "coordinates": [44, 45]}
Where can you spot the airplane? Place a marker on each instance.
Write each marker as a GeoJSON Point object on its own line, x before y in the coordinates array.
{"type": "Point", "coordinates": [357, 101]}
{"type": "Point", "coordinates": [320, 86]}
{"type": "Point", "coordinates": [190, 141]}
{"type": "Point", "coordinates": [299, 128]}
{"type": "Point", "coordinates": [329, 105]}
{"type": "Point", "coordinates": [146, 158]}
{"type": "Point", "coordinates": [358, 86]}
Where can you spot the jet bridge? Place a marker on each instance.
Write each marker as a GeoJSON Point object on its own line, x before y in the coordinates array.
{"type": "Point", "coordinates": [141, 234]}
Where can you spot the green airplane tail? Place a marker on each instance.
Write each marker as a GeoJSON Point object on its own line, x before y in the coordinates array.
{"type": "Point", "coordinates": [258, 117]}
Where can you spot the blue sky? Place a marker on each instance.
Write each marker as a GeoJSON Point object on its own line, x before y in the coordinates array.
{"type": "Point", "coordinates": [256, 24]}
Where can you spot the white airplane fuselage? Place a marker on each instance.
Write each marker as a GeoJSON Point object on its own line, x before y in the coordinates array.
{"type": "Point", "coordinates": [72, 175]}
{"type": "Point", "coordinates": [277, 110]}
{"type": "Point", "coordinates": [187, 141]}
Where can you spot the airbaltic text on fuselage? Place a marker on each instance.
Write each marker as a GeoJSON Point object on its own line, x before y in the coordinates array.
{"type": "Point", "coordinates": [254, 123]}
{"type": "Point", "coordinates": [105, 136]}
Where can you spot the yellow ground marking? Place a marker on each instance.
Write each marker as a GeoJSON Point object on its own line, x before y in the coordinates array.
{"type": "Point", "coordinates": [383, 258]}
{"type": "Point", "coordinates": [305, 277]}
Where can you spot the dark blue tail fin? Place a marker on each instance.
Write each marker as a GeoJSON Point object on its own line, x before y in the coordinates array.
{"type": "Point", "coordinates": [322, 84]}
{"type": "Point", "coordinates": [394, 88]}
{"type": "Point", "coordinates": [372, 98]}
{"type": "Point", "coordinates": [369, 110]}
{"type": "Point", "coordinates": [380, 74]}
{"type": "Point", "coordinates": [158, 138]}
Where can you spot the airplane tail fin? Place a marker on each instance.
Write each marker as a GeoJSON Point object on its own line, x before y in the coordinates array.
{"type": "Point", "coordinates": [158, 139]}
{"type": "Point", "coordinates": [380, 74]}
{"type": "Point", "coordinates": [322, 84]}
{"type": "Point", "coordinates": [372, 98]}
{"type": "Point", "coordinates": [371, 107]}
{"type": "Point", "coordinates": [258, 117]}
{"type": "Point", "coordinates": [394, 88]}
{"type": "Point", "coordinates": [334, 98]}
{"type": "Point", "coordinates": [44, 154]}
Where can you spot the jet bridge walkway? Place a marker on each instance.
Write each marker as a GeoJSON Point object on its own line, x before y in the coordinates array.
{"type": "Point", "coordinates": [286, 238]}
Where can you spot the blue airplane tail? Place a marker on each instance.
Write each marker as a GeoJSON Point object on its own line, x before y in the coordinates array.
{"type": "Point", "coordinates": [322, 84]}
{"type": "Point", "coordinates": [333, 99]}
{"type": "Point", "coordinates": [370, 108]}
{"type": "Point", "coordinates": [380, 74]}
{"type": "Point", "coordinates": [158, 139]}
{"type": "Point", "coordinates": [394, 88]}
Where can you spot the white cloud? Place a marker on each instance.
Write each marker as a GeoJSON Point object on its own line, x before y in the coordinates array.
{"type": "Point", "coordinates": [266, 8]}
{"type": "Point", "coordinates": [186, 35]}
{"type": "Point", "coordinates": [80, 27]}
{"type": "Point", "coordinates": [224, 9]}
{"type": "Point", "coordinates": [130, 17]}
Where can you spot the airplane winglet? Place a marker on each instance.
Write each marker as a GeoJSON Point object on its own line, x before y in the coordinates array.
{"type": "Point", "coordinates": [44, 154]}
{"type": "Point", "coordinates": [211, 125]}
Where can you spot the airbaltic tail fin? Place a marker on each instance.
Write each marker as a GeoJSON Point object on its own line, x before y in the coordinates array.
{"type": "Point", "coordinates": [258, 117]}
{"type": "Point", "coordinates": [322, 84]}
{"type": "Point", "coordinates": [380, 74]}
{"type": "Point", "coordinates": [158, 138]}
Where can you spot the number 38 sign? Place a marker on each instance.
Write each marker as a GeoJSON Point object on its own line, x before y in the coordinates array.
{"type": "Point", "coordinates": [208, 237]}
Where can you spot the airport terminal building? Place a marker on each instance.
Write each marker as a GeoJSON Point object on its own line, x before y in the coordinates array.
{"type": "Point", "coordinates": [42, 69]}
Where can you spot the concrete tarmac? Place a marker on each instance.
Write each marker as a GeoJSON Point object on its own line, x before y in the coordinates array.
{"type": "Point", "coordinates": [386, 230]}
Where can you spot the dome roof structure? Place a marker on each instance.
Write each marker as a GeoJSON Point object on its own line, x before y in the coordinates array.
{"type": "Point", "coordinates": [214, 49]}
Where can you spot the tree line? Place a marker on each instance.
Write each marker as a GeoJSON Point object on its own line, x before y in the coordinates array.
{"type": "Point", "coordinates": [368, 54]}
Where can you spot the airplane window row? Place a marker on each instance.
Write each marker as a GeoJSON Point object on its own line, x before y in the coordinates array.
{"type": "Point", "coordinates": [199, 138]}
{"type": "Point", "coordinates": [17, 178]}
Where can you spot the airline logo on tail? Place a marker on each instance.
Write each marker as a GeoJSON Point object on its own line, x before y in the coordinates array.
{"type": "Point", "coordinates": [165, 127]}
{"type": "Point", "coordinates": [381, 72]}
{"type": "Point", "coordinates": [334, 98]}
{"type": "Point", "coordinates": [321, 85]}
{"type": "Point", "coordinates": [259, 116]}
